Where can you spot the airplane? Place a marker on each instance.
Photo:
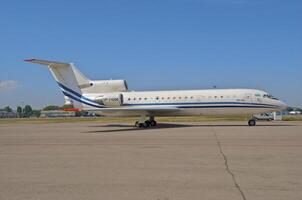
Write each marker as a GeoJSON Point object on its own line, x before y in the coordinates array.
{"type": "Point", "coordinates": [112, 98]}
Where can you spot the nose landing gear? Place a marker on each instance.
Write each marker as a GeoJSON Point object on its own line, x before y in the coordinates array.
{"type": "Point", "coordinates": [252, 122]}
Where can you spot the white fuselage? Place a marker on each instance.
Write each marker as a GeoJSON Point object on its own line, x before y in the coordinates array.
{"type": "Point", "coordinates": [195, 102]}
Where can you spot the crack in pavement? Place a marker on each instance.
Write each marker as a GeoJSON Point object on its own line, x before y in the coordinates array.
{"type": "Point", "coordinates": [227, 166]}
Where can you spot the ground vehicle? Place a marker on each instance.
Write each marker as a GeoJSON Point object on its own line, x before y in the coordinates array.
{"type": "Point", "coordinates": [264, 116]}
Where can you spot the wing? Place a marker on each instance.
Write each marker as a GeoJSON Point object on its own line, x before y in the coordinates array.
{"type": "Point", "coordinates": [138, 110]}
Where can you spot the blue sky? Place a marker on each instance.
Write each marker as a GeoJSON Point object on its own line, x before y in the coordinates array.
{"type": "Point", "coordinates": [154, 45]}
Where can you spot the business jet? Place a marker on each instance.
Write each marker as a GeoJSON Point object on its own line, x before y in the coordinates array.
{"type": "Point", "coordinates": [112, 98]}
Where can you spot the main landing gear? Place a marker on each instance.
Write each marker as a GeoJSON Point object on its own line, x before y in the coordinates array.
{"type": "Point", "coordinates": [145, 124]}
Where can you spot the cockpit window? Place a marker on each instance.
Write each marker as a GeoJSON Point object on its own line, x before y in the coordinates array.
{"type": "Point", "coordinates": [269, 96]}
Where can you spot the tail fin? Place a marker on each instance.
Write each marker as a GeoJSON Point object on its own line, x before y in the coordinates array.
{"type": "Point", "coordinates": [64, 73]}
{"type": "Point", "coordinates": [69, 78]}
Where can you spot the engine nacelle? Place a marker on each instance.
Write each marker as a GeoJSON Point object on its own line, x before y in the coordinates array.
{"type": "Point", "coordinates": [110, 100]}
{"type": "Point", "coordinates": [104, 86]}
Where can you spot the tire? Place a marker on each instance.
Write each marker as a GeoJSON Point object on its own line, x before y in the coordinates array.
{"type": "Point", "coordinates": [252, 122]}
{"type": "Point", "coordinates": [146, 124]}
{"type": "Point", "coordinates": [153, 123]}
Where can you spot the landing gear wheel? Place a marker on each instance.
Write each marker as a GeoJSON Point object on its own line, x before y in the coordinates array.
{"type": "Point", "coordinates": [136, 124]}
{"type": "Point", "coordinates": [146, 124]}
{"type": "Point", "coordinates": [252, 122]}
{"type": "Point", "coordinates": [153, 123]}
{"type": "Point", "coordinates": [141, 125]}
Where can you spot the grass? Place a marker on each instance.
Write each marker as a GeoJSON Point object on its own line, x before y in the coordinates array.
{"type": "Point", "coordinates": [292, 118]}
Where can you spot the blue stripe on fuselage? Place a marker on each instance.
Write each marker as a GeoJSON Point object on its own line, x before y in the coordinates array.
{"type": "Point", "coordinates": [79, 100]}
{"type": "Point", "coordinates": [75, 93]}
{"type": "Point", "coordinates": [197, 103]}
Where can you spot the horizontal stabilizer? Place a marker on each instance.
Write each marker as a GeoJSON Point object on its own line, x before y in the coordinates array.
{"type": "Point", "coordinates": [48, 63]}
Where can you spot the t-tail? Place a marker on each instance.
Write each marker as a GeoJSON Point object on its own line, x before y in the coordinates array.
{"type": "Point", "coordinates": [78, 87]}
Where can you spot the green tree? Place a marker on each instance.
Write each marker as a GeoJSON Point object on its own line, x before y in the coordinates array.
{"type": "Point", "coordinates": [7, 109]}
{"type": "Point", "coordinates": [27, 111]}
{"type": "Point", "coordinates": [36, 113]}
{"type": "Point", "coordinates": [19, 111]}
{"type": "Point", "coordinates": [290, 109]}
{"type": "Point", "coordinates": [51, 107]}
{"type": "Point", "coordinates": [67, 106]}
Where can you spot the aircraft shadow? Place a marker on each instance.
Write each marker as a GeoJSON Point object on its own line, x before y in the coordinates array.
{"type": "Point", "coordinates": [128, 127]}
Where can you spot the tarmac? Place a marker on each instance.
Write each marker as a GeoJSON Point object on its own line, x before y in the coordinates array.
{"type": "Point", "coordinates": [176, 161]}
